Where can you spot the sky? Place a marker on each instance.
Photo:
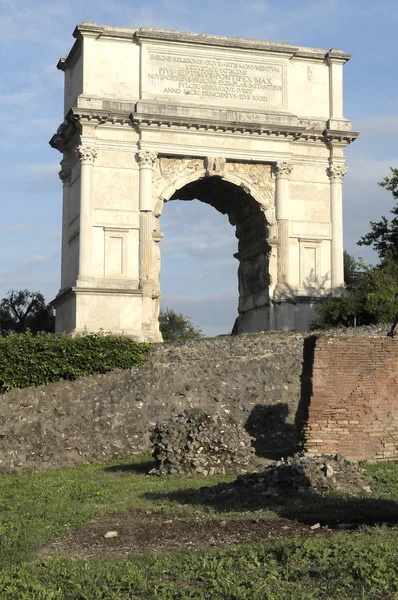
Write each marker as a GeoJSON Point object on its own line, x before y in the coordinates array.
{"type": "Point", "coordinates": [198, 275]}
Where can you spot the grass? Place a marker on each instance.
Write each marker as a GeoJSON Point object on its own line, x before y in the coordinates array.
{"type": "Point", "coordinates": [36, 508]}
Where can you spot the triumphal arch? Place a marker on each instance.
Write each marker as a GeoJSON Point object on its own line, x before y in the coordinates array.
{"type": "Point", "coordinates": [253, 128]}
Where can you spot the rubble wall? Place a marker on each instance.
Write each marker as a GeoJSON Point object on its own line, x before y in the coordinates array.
{"type": "Point", "coordinates": [353, 406]}
{"type": "Point", "coordinates": [253, 378]}
{"type": "Point", "coordinates": [269, 382]}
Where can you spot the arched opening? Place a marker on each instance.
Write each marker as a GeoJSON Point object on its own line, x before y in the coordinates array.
{"type": "Point", "coordinates": [253, 249]}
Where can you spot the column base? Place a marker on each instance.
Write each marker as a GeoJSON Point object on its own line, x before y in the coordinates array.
{"type": "Point", "coordinates": [87, 310]}
{"type": "Point", "coordinates": [293, 314]}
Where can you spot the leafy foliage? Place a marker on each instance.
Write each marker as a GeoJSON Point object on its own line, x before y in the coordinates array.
{"type": "Point", "coordinates": [27, 359]}
{"type": "Point", "coordinates": [176, 327]}
{"type": "Point", "coordinates": [383, 235]}
{"type": "Point", "coordinates": [350, 269]}
{"type": "Point", "coordinates": [22, 310]}
{"type": "Point", "coordinates": [372, 294]}
{"type": "Point", "coordinates": [371, 299]}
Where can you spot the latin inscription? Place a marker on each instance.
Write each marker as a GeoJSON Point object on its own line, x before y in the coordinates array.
{"type": "Point", "coordinates": [215, 79]}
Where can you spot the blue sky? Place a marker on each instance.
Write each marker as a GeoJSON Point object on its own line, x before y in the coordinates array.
{"type": "Point", "coordinates": [198, 271]}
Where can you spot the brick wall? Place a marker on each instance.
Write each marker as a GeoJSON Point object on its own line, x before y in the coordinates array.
{"type": "Point", "coordinates": [353, 408]}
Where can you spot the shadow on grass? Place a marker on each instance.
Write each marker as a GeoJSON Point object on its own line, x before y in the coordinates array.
{"type": "Point", "coordinates": [309, 507]}
{"type": "Point", "coordinates": [141, 468]}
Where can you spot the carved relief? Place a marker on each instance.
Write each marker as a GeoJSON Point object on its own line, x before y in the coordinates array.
{"type": "Point", "coordinates": [258, 175]}
{"type": "Point", "coordinates": [168, 170]}
{"type": "Point", "coordinates": [65, 175]}
{"type": "Point", "coordinates": [87, 154]}
{"type": "Point", "coordinates": [215, 166]}
{"type": "Point", "coordinates": [336, 173]}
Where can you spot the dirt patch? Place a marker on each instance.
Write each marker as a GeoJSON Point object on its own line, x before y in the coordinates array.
{"type": "Point", "coordinates": [141, 532]}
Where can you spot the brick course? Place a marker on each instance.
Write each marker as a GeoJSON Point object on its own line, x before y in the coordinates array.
{"type": "Point", "coordinates": [353, 408]}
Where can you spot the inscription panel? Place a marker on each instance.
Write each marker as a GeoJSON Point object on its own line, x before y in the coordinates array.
{"type": "Point", "coordinates": [219, 79]}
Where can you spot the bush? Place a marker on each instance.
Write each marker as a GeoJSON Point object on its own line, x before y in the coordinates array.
{"type": "Point", "coordinates": [29, 360]}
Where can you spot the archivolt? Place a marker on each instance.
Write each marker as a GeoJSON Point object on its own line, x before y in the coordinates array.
{"type": "Point", "coordinates": [254, 179]}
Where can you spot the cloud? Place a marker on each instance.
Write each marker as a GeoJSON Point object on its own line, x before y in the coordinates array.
{"type": "Point", "coordinates": [21, 22]}
{"type": "Point", "coordinates": [377, 125]}
{"type": "Point", "coordinates": [37, 260]}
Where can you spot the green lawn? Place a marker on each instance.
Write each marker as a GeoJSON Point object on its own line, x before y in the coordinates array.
{"type": "Point", "coordinates": [37, 508]}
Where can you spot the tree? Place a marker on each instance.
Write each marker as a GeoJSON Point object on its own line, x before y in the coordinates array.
{"type": "Point", "coordinates": [383, 235]}
{"type": "Point", "coordinates": [350, 269]}
{"type": "Point", "coordinates": [371, 299]}
{"type": "Point", "coordinates": [176, 327]}
{"type": "Point", "coordinates": [22, 310]}
{"type": "Point", "coordinates": [372, 293]}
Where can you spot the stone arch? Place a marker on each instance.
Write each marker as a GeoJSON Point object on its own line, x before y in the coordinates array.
{"type": "Point", "coordinates": [247, 175]}
{"type": "Point", "coordinates": [245, 192]}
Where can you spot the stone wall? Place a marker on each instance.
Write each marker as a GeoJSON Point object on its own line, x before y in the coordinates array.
{"type": "Point", "coordinates": [253, 378]}
{"type": "Point", "coordinates": [354, 402]}
{"type": "Point", "coordinates": [265, 381]}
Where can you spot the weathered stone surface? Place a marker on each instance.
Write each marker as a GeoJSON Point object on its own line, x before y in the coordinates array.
{"type": "Point", "coordinates": [296, 475]}
{"type": "Point", "coordinates": [176, 114]}
{"type": "Point", "coordinates": [256, 379]}
{"type": "Point", "coordinates": [199, 442]}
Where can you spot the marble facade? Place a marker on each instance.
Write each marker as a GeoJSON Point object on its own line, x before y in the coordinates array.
{"type": "Point", "coordinates": [253, 128]}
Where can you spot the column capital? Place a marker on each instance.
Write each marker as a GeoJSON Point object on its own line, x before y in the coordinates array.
{"type": "Point", "coordinates": [146, 159]}
{"type": "Point", "coordinates": [65, 174]}
{"type": "Point", "coordinates": [336, 173]}
{"type": "Point", "coordinates": [87, 154]}
{"type": "Point", "coordinates": [282, 169]}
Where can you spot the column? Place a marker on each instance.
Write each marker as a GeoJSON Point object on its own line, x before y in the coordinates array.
{"type": "Point", "coordinates": [87, 155]}
{"type": "Point", "coordinates": [282, 172]}
{"type": "Point", "coordinates": [65, 175]}
{"type": "Point", "coordinates": [146, 161]}
{"type": "Point", "coordinates": [336, 174]}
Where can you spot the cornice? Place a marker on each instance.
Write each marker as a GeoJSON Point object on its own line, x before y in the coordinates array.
{"type": "Point", "coordinates": [203, 39]}
{"type": "Point", "coordinates": [333, 136]}
{"type": "Point", "coordinates": [130, 35]}
{"type": "Point", "coordinates": [69, 61]}
{"type": "Point", "coordinates": [72, 126]}
{"type": "Point", "coordinates": [148, 120]}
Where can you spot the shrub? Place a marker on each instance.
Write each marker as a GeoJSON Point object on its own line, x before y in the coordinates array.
{"type": "Point", "coordinates": [30, 360]}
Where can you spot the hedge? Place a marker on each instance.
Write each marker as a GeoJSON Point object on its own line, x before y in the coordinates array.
{"type": "Point", "coordinates": [29, 360]}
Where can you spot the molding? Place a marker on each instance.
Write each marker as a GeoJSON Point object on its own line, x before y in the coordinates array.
{"type": "Point", "coordinates": [71, 128]}
{"type": "Point", "coordinates": [104, 290]}
{"type": "Point", "coordinates": [287, 131]}
{"type": "Point", "coordinates": [140, 36]}
{"type": "Point", "coordinates": [74, 291]}
{"type": "Point", "coordinates": [182, 150]}
{"type": "Point", "coordinates": [333, 136]}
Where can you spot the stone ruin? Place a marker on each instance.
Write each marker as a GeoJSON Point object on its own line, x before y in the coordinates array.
{"type": "Point", "coordinates": [202, 443]}
{"type": "Point", "coordinates": [208, 444]}
{"type": "Point", "coordinates": [295, 476]}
